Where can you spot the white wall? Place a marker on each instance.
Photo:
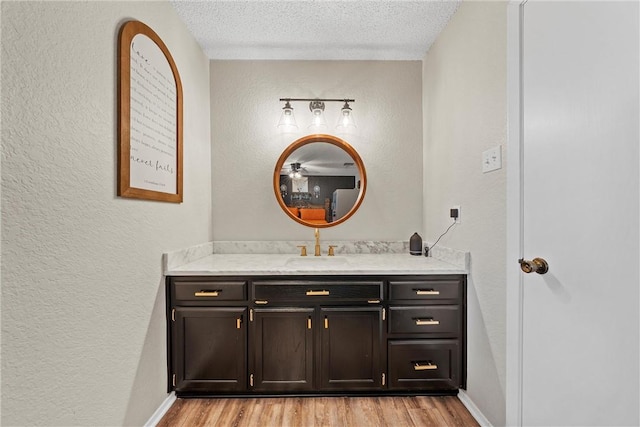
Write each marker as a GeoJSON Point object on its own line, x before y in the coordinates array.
{"type": "Point", "coordinates": [464, 81]}
{"type": "Point", "coordinates": [83, 336]}
{"type": "Point", "coordinates": [246, 144]}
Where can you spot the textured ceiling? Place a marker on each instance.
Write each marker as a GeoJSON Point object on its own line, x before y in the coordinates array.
{"type": "Point", "coordinates": [317, 29]}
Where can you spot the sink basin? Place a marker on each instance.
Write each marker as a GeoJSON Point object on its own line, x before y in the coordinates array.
{"type": "Point", "coordinates": [316, 261]}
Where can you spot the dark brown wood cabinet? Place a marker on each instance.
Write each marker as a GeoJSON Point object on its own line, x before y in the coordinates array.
{"type": "Point", "coordinates": [210, 346]}
{"type": "Point", "coordinates": [282, 349]}
{"type": "Point", "coordinates": [351, 348]}
{"type": "Point", "coordinates": [316, 334]}
{"type": "Point", "coordinates": [426, 340]}
{"type": "Point", "coordinates": [424, 364]}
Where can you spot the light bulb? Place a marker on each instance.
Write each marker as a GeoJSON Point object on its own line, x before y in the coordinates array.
{"type": "Point", "coordinates": [317, 120]}
{"type": "Point", "coordinates": [346, 120]}
{"type": "Point", "coordinates": [287, 119]}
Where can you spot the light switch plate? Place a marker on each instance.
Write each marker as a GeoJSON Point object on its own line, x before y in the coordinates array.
{"type": "Point", "coordinates": [492, 159]}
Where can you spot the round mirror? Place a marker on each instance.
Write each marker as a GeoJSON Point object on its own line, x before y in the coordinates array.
{"type": "Point", "coordinates": [319, 181]}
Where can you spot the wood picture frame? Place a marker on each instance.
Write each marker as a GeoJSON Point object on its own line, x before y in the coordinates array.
{"type": "Point", "coordinates": [150, 147]}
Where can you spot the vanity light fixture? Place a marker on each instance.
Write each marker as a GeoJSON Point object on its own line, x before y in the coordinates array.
{"type": "Point", "coordinates": [316, 106]}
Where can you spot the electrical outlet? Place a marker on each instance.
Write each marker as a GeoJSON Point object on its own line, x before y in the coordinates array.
{"type": "Point", "coordinates": [457, 219]}
{"type": "Point", "coordinates": [492, 159]}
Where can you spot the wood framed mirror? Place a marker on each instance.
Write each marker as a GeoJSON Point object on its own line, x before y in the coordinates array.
{"type": "Point", "coordinates": [319, 181]}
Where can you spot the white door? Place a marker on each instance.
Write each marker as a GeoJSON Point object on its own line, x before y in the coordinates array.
{"type": "Point", "coordinates": [580, 323]}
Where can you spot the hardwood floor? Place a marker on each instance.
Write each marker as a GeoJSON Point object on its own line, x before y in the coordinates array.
{"type": "Point", "coordinates": [419, 411]}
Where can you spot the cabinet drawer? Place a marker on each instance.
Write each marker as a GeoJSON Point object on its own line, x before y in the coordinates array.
{"type": "Point", "coordinates": [310, 291]}
{"type": "Point", "coordinates": [424, 364]}
{"type": "Point", "coordinates": [210, 291]}
{"type": "Point", "coordinates": [426, 290]}
{"type": "Point", "coordinates": [436, 319]}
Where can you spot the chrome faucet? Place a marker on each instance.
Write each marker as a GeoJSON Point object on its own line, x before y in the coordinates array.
{"type": "Point", "coordinates": [317, 234]}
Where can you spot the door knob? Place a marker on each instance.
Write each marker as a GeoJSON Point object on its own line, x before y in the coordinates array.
{"type": "Point", "coordinates": [538, 265]}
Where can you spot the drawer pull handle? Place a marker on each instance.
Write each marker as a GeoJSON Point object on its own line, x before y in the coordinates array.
{"type": "Point", "coordinates": [426, 292]}
{"type": "Point", "coordinates": [428, 367]}
{"type": "Point", "coordinates": [207, 293]}
{"type": "Point", "coordinates": [316, 293]}
{"type": "Point", "coordinates": [262, 302]}
{"type": "Point", "coordinates": [427, 322]}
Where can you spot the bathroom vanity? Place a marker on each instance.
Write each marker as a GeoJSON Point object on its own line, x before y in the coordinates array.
{"type": "Point", "coordinates": [259, 320]}
{"type": "Point", "coordinates": [277, 324]}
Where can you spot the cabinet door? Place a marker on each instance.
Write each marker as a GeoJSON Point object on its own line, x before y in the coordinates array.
{"type": "Point", "coordinates": [210, 349]}
{"type": "Point", "coordinates": [282, 349]}
{"type": "Point", "coordinates": [351, 354]}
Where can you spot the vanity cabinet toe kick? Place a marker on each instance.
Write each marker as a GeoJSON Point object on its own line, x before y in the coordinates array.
{"type": "Point", "coordinates": [316, 334]}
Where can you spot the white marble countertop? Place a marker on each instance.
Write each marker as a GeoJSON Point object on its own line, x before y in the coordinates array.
{"type": "Point", "coordinates": [287, 264]}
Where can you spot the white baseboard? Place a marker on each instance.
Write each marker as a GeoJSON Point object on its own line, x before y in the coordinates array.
{"type": "Point", "coordinates": [162, 409]}
{"type": "Point", "coordinates": [473, 409]}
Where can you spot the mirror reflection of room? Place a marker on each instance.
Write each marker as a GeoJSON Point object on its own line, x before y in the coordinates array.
{"type": "Point", "coordinates": [319, 183]}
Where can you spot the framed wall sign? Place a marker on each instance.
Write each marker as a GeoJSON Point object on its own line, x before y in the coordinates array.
{"type": "Point", "coordinates": [149, 117]}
